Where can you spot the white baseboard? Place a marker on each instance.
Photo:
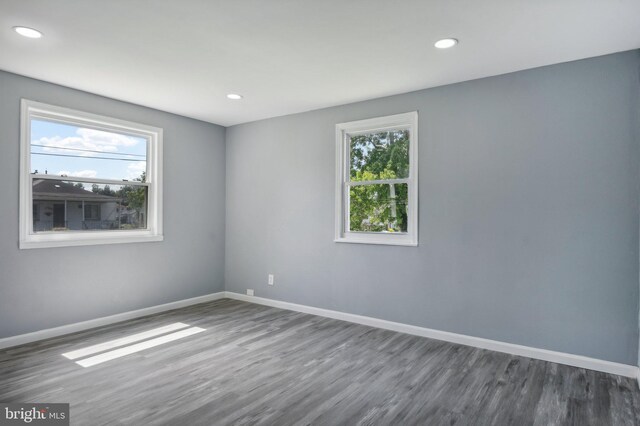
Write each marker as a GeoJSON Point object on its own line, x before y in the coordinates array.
{"type": "Point", "coordinates": [494, 345]}
{"type": "Point", "coordinates": [98, 322]}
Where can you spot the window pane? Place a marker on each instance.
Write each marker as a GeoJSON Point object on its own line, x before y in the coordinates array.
{"type": "Point", "coordinates": [383, 155]}
{"type": "Point", "coordinates": [91, 211]}
{"type": "Point", "coordinates": [80, 206]}
{"type": "Point", "coordinates": [68, 150]}
{"type": "Point", "coordinates": [378, 208]}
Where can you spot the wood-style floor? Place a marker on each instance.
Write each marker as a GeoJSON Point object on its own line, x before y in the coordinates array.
{"type": "Point", "coordinates": [261, 365]}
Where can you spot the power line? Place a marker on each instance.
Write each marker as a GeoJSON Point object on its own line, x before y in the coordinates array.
{"type": "Point", "coordinates": [86, 158]}
{"type": "Point", "coordinates": [87, 150]}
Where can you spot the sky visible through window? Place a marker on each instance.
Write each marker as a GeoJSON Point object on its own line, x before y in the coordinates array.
{"type": "Point", "coordinates": [63, 149]}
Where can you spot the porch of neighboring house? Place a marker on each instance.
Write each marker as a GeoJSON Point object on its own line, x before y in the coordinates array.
{"type": "Point", "coordinates": [60, 206]}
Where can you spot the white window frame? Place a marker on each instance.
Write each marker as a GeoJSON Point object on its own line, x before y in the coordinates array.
{"type": "Point", "coordinates": [344, 131]}
{"type": "Point", "coordinates": [153, 232]}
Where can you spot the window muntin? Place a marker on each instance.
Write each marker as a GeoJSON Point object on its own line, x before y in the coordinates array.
{"type": "Point", "coordinates": [376, 185]}
{"type": "Point", "coordinates": [88, 179]}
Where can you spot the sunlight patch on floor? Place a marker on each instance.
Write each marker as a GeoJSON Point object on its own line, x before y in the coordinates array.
{"type": "Point", "coordinates": [142, 344]}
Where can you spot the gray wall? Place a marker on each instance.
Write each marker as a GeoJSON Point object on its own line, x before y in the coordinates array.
{"type": "Point", "coordinates": [46, 288]}
{"type": "Point", "coordinates": [528, 211]}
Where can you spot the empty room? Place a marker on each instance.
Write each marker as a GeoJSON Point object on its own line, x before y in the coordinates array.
{"type": "Point", "coordinates": [319, 212]}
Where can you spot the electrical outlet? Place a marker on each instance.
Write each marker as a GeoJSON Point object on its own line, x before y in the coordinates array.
{"type": "Point", "coordinates": [270, 282]}
{"type": "Point", "coordinates": [249, 292]}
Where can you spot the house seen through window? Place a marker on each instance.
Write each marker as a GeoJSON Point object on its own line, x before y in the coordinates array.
{"type": "Point", "coordinates": [69, 157]}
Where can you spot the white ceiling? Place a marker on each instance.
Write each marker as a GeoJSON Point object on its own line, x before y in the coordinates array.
{"type": "Point", "coordinates": [288, 56]}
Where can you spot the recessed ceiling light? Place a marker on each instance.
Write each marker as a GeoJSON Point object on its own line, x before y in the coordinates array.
{"type": "Point", "coordinates": [27, 32]}
{"type": "Point", "coordinates": [446, 43]}
{"type": "Point", "coordinates": [234, 96]}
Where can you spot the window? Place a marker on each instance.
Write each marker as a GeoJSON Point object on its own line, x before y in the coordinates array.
{"type": "Point", "coordinates": [377, 180]}
{"type": "Point", "coordinates": [92, 212]}
{"type": "Point", "coordinates": [87, 179]}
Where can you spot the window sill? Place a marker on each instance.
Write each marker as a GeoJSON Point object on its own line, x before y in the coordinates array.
{"type": "Point", "coordinates": [86, 239]}
{"type": "Point", "coordinates": [378, 239]}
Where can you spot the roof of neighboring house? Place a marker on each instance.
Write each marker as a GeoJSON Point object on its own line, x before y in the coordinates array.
{"type": "Point", "coordinates": [52, 189]}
